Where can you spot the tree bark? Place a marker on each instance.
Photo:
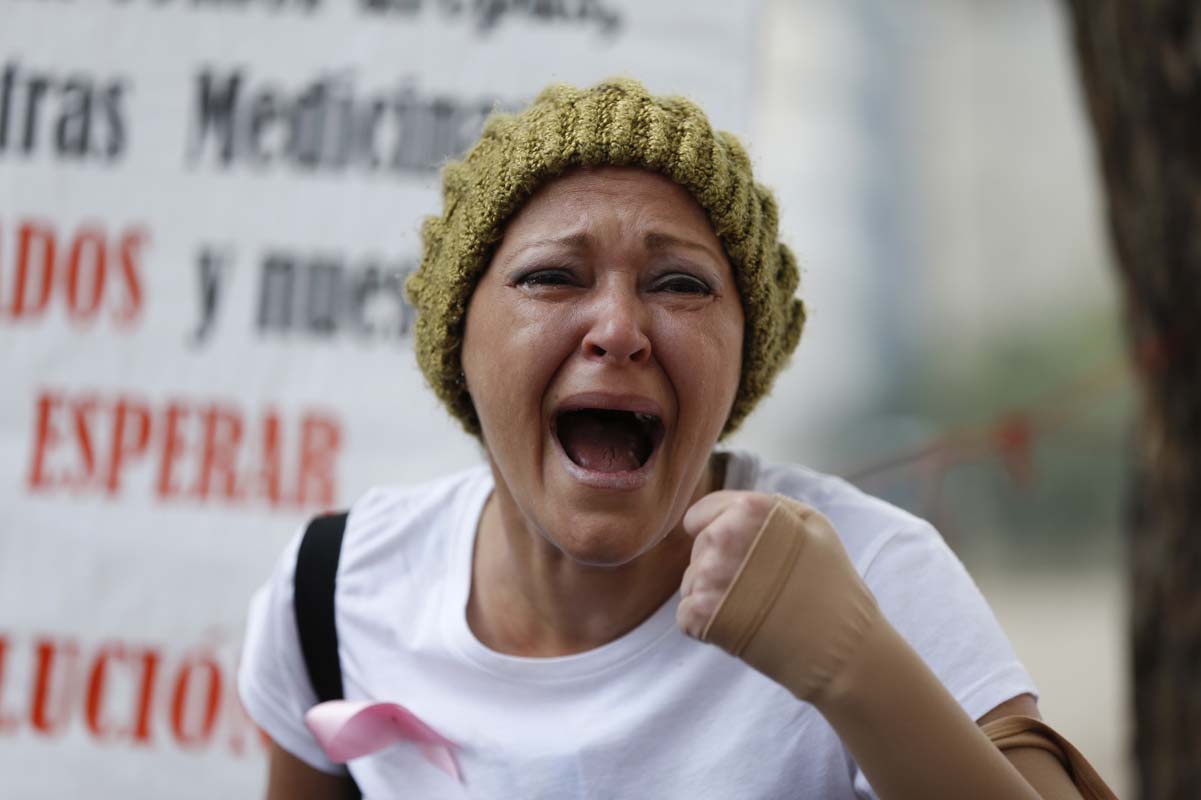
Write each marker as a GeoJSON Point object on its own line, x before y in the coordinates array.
{"type": "Point", "coordinates": [1140, 65]}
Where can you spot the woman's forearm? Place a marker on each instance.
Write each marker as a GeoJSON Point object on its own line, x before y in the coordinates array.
{"type": "Point", "coordinates": [905, 730]}
{"type": "Point", "coordinates": [798, 611]}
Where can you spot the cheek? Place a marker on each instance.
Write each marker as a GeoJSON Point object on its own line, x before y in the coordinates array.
{"type": "Point", "coordinates": [703, 358]}
{"type": "Point", "coordinates": [510, 353]}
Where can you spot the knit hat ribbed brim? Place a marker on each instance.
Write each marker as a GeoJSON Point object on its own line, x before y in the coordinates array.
{"type": "Point", "coordinates": [615, 123]}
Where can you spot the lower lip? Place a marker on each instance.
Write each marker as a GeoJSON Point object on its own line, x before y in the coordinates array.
{"type": "Point", "coordinates": [625, 481]}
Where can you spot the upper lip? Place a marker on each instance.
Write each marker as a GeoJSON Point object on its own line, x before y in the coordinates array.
{"type": "Point", "coordinates": [610, 402]}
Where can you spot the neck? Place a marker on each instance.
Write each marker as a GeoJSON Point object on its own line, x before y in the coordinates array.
{"type": "Point", "coordinates": [528, 598]}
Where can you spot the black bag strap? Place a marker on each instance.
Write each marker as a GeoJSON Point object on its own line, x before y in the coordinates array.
{"type": "Point", "coordinates": [313, 604]}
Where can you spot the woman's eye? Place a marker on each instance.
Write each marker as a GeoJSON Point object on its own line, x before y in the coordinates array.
{"type": "Point", "coordinates": [547, 277]}
{"type": "Point", "coordinates": [679, 283]}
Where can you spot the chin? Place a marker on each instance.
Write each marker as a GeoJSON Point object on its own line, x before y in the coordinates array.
{"type": "Point", "coordinates": [607, 544]}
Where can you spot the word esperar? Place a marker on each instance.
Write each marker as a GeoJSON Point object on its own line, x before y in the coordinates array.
{"type": "Point", "coordinates": [328, 124]}
{"type": "Point", "coordinates": [197, 451]}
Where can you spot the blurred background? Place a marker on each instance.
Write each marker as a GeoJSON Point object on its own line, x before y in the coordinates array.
{"type": "Point", "coordinates": [206, 213]}
{"type": "Point", "coordinates": [964, 356]}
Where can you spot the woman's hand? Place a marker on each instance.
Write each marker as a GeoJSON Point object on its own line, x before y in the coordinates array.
{"type": "Point", "coordinates": [723, 526]}
{"type": "Point", "coordinates": [770, 583]}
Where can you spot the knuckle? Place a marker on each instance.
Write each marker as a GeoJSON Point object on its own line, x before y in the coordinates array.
{"type": "Point", "coordinates": [747, 502]}
{"type": "Point", "coordinates": [690, 619]}
{"type": "Point", "coordinates": [687, 582]}
{"type": "Point", "coordinates": [732, 542]}
{"type": "Point", "coordinates": [722, 537]}
{"type": "Point", "coordinates": [753, 507]}
{"type": "Point", "coordinates": [764, 503]}
{"type": "Point", "coordinates": [701, 587]}
{"type": "Point", "coordinates": [714, 579]}
{"type": "Point", "coordinates": [710, 563]}
{"type": "Point", "coordinates": [704, 604]}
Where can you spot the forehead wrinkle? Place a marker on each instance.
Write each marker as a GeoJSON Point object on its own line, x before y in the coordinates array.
{"type": "Point", "coordinates": [588, 225]}
{"type": "Point", "coordinates": [573, 241]}
{"type": "Point", "coordinates": [656, 241]}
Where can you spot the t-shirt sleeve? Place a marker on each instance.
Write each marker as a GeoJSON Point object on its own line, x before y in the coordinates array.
{"type": "Point", "coordinates": [929, 597]}
{"type": "Point", "coordinates": [273, 683]}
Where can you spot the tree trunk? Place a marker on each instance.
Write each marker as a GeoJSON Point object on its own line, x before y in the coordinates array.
{"type": "Point", "coordinates": [1140, 64]}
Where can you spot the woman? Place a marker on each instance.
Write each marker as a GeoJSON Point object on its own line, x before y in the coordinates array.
{"type": "Point", "coordinates": [611, 608]}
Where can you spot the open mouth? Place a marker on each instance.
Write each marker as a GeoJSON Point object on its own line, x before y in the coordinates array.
{"type": "Point", "coordinates": [608, 440]}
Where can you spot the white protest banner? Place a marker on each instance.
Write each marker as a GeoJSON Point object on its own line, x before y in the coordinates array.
{"type": "Point", "coordinates": [207, 213]}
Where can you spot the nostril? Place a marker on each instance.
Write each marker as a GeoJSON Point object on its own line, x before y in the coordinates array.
{"type": "Point", "coordinates": [626, 343]}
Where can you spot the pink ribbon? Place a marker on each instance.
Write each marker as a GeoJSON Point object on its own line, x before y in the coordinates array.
{"type": "Point", "coordinates": [348, 729]}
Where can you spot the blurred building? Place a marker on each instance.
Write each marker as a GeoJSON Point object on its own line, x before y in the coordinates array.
{"type": "Point", "coordinates": [936, 181]}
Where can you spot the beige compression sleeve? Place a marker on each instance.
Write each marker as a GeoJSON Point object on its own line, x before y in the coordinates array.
{"type": "Point", "coordinates": [798, 611]}
{"type": "Point", "coordinates": [1047, 760]}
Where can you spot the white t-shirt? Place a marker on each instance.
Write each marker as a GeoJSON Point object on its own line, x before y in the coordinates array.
{"type": "Point", "coordinates": [653, 714]}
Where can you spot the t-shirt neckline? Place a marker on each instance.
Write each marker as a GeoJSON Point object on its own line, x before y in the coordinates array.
{"type": "Point", "coordinates": [644, 637]}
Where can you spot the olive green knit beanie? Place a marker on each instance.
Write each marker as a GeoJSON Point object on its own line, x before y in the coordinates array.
{"type": "Point", "coordinates": [615, 123]}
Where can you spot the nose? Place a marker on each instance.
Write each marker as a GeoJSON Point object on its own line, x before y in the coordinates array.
{"type": "Point", "coordinates": [617, 328]}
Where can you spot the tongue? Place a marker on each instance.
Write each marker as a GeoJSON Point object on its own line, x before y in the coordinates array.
{"type": "Point", "coordinates": [604, 441]}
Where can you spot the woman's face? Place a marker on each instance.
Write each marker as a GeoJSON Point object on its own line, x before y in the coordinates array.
{"type": "Point", "coordinates": [603, 352]}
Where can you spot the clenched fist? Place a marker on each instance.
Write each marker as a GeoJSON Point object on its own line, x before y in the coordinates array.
{"type": "Point", "coordinates": [770, 583]}
{"type": "Point", "coordinates": [723, 526]}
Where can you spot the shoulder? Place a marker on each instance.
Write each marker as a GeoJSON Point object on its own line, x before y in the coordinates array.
{"type": "Point", "coordinates": [920, 584]}
{"type": "Point", "coordinates": [408, 522]}
{"type": "Point", "coordinates": [383, 507]}
{"type": "Point", "coordinates": [865, 524]}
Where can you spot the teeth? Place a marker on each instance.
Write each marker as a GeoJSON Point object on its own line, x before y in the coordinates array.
{"type": "Point", "coordinates": [645, 419]}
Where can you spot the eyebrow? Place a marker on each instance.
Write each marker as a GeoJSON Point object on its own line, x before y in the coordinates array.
{"type": "Point", "coordinates": [575, 241]}
{"type": "Point", "coordinates": [664, 241]}
{"type": "Point", "coordinates": [654, 241]}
